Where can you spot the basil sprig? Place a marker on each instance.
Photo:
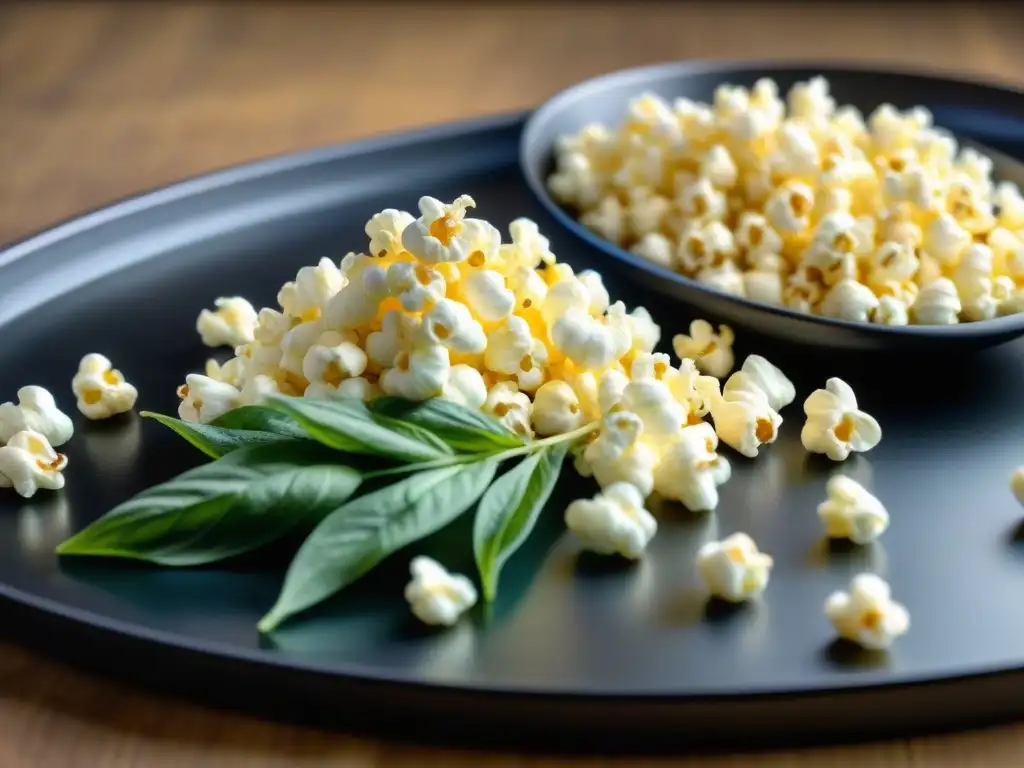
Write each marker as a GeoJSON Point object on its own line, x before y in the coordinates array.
{"type": "Point", "coordinates": [285, 468]}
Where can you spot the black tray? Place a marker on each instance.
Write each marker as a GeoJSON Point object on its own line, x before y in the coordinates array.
{"type": "Point", "coordinates": [577, 653]}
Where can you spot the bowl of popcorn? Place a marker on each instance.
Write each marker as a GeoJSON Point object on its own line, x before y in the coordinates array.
{"type": "Point", "coordinates": [816, 205]}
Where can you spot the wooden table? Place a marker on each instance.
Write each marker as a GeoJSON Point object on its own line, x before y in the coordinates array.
{"type": "Point", "coordinates": [98, 101]}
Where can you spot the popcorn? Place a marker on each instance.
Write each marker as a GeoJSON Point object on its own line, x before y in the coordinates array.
{"type": "Point", "coordinates": [594, 285]}
{"type": "Point", "coordinates": [203, 399]}
{"type": "Point", "coordinates": [101, 390]}
{"type": "Point", "coordinates": [28, 463]}
{"type": "Point", "coordinates": [744, 419]}
{"type": "Point", "coordinates": [418, 374]}
{"type": "Point", "coordinates": [305, 298]}
{"type": "Point", "coordinates": [465, 386]}
{"type": "Point", "coordinates": [937, 303]}
{"type": "Point", "coordinates": [867, 614]}
{"type": "Point", "coordinates": [450, 325]}
{"type": "Point", "coordinates": [778, 389]}
{"type": "Point", "coordinates": [712, 352]}
{"type": "Point", "coordinates": [36, 411]}
{"type": "Point", "coordinates": [589, 342]}
{"type": "Point", "coordinates": [618, 455]}
{"type": "Point", "coordinates": [416, 286]}
{"type": "Point", "coordinates": [613, 522]}
{"type": "Point", "coordinates": [435, 596]}
{"type": "Point", "coordinates": [849, 300]}
{"type": "Point", "coordinates": [442, 233]}
{"type": "Point", "coordinates": [835, 426]}
{"type": "Point", "coordinates": [850, 512]}
{"type": "Point", "coordinates": [359, 301]}
{"type": "Point", "coordinates": [327, 366]}
{"type": "Point", "coordinates": [230, 325]}
{"type": "Point", "coordinates": [385, 232]}
{"type": "Point", "coordinates": [556, 409]}
{"type": "Point", "coordinates": [690, 470]}
{"type": "Point", "coordinates": [733, 569]}
{"type": "Point", "coordinates": [232, 372]}
{"type": "Point", "coordinates": [780, 208]}
{"type": "Point", "coordinates": [510, 406]}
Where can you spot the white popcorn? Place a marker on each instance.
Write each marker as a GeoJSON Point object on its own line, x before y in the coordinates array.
{"type": "Point", "coordinates": [203, 399]}
{"type": "Point", "coordinates": [890, 311]}
{"type": "Point", "coordinates": [788, 209]}
{"type": "Point", "coordinates": [765, 287]}
{"type": "Point", "coordinates": [451, 325]}
{"type": "Point", "coordinates": [849, 300]}
{"type": "Point", "coordinates": [761, 244]}
{"type": "Point", "coordinates": [893, 261]}
{"type": "Point", "coordinates": [575, 182]}
{"type": "Point", "coordinates": [695, 391]}
{"type": "Point", "coordinates": [589, 342]}
{"type": "Point", "coordinates": [28, 463]}
{"type": "Point", "coordinates": [851, 512]}
{"type": "Point", "coordinates": [385, 231]}
{"type": "Point", "coordinates": [608, 219]}
{"type": "Point", "coordinates": [770, 380]}
{"type": "Point", "coordinates": [944, 239]}
{"type": "Point", "coordinates": [564, 295]}
{"type": "Point", "coordinates": [705, 245]}
{"type": "Point", "coordinates": [649, 114]}
{"type": "Point", "coordinates": [937, 303]}
{"type": "Point", "coordinates": [232, 372]}
{"type": "Point", "coordinates": [359, 301]}
{"type": "Point", "coordinates": [100, 389]}
{"type": "Point", "coordinates": [652, 400]}
{"type": "Point", "coordinates": [867, 614]}
{"type": "Point", "coordinates": [357, 388]}
{"type": "Point", "coordinates": [529, 248]}
{"type": "Point", "coordinates": [465, 386]}
{"type": "Point", "coordinates": [416, 286]}
{"type": "Point", "coordinates": [726, 278]}
{"type": "Point", "coordinates": [712, 352]}
{"type": "Point", "coordinates": [1011, 205]}
{"type": "Point", "coordinates": [556, 409]}
{"type": "Point", "coordinates": [701, 202]}
{"type": "Point", "coordinates": [256, 390]}
{"type": "Point", "coordinates": [296, 343]}
{"type": "Point", "coordinates": [305, 298]}
{"type": "Point", "coordinates": [810, 100]}
{"type": "Point", "coordinates": [733, 569]}
{"type": "Point", "coordinates": [613, 522]}
{"type": "Point", "coordinates": [510, 406]}
{"type": "Point", "coordinates": [744, 419]}
{"type": "Point", "coordinates": [804, 290]}
{"type": "Point", "coordinates": [487, 296]}
{"type": "Point", "coordinates": [594, 285]}
{"type": "Point", "coordinates": [797, 154]}
{"type": "Point", "coordinates": [36, 411]}
{"type": "Point", "coordinates": [973, 280]}
{"type": "Point", "coordinates": [644, 332]}
{"type": "Point", "coordinates": [610, 389]}
{"type": "Point", "coordinates": [507, 345]}
{"type": "Point", "coordinates": [837, 241]}
{"type": "Point", "coordinates": [618, 455]}
{"type": "Point", "coordinates": [718, 167]}
{"type": "Point", "coordinates": [419, 374]}
{"type": "Point", "coordinates": [435, 596]}
{"type": "Point", "coordinates": [646, 211]}
{"type": "Point", "coordinates": [835, 426]}
{"type": "Point", "coordinates": [656, 248]}
{"type": "Point", "coordinates": [230, 325]}
{"type": "Point", "coordinates": [442, 233]}
{"type": "Point", "coordinates": [690, 470]}
{"type": "Point", "coordinates": [326, 366]}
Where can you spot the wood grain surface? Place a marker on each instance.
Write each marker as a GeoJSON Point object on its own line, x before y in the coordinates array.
{"type": "Point", "coordinates": [99, 101]}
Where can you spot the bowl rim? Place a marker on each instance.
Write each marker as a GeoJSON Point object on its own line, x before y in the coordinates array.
{"type": "Point", "coordinates": [537, 122]}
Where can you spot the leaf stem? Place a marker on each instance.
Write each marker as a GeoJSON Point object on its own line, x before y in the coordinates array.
{"type": "Point", "coordinates": [508, 453]}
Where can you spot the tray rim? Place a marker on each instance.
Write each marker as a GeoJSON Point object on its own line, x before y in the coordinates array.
{"type": "Point", "coordinates": [554, 103]}
{"type": "Point", "coordinates": [85, 620]}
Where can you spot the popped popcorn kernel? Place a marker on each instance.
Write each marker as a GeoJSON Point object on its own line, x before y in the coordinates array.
{"type": "Point", "coordinates": [867, 614]}
{"type": "Point", "coordinates": [101, 389]}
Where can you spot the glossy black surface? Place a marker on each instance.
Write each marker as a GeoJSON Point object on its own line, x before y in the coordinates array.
{"type": "Point", "coordinates": [991, 118]}
{"type": "Point", "coordinates": [578, 651]}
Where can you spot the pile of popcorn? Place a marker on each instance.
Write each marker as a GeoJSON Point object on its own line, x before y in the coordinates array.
{"type": "Point", "coordinates": [804, 204]}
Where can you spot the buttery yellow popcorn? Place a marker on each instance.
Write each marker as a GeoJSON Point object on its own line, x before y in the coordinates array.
{"type": "Point", "coordinates": [802, 203]}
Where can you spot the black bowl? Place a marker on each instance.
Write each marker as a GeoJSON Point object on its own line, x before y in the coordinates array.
{"type": "Point", "coordinates": [989, 117]}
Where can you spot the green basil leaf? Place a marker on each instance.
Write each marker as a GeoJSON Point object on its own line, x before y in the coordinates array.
{"type": "Point", "coordinates": [239, 503]}
{"type": "Point", "coordinates": [462, 429]}
{"type": "Point", "coordinates": [350, 426]}
{"type": "Point", "coordinates": [355, 538]}
{"type": "Point", "coordinates": [509, 510]}
{"type": "Point", "coordinates": [218, 438]}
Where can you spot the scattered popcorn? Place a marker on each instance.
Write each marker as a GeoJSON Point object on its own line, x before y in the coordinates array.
{"type": "Point", "coordinates": [733, 569]}
{"type": "Point", "coordinates": [691, 470]}
{"type": "Point", "coordinates": [101, 390]}
{"type": "Point", "coordinates": [35, 411]}
{"type": "Point", "coordinates": [28, 463]}
{"type": "Point", "coordinates": [556, 409]}
{"type": "Point", "coordinates": [835, 426]}
{"type": "Point", "coordinates": [620, 455]}
{"type": "Point", "coordinates": [851, 512]}
{"type": "Point", "coordinates": [712, 352]}
{"type": "Point", "coordinates": [770, 380]}
{"type": "Point", "coordinates": [744, 419]}
{"type": "Point", "coordinates": [867, 614]}
{"type": "Point", "coordinates": [436, 597]}
{"type": "Point", "coordinates": [799, 203]}
{"type": "Point", "coordinates": [204, 399]}
{"type": "Point", "coordinates": [230, 325]}
{"type": "Point", "coordinates": [613, 522]}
